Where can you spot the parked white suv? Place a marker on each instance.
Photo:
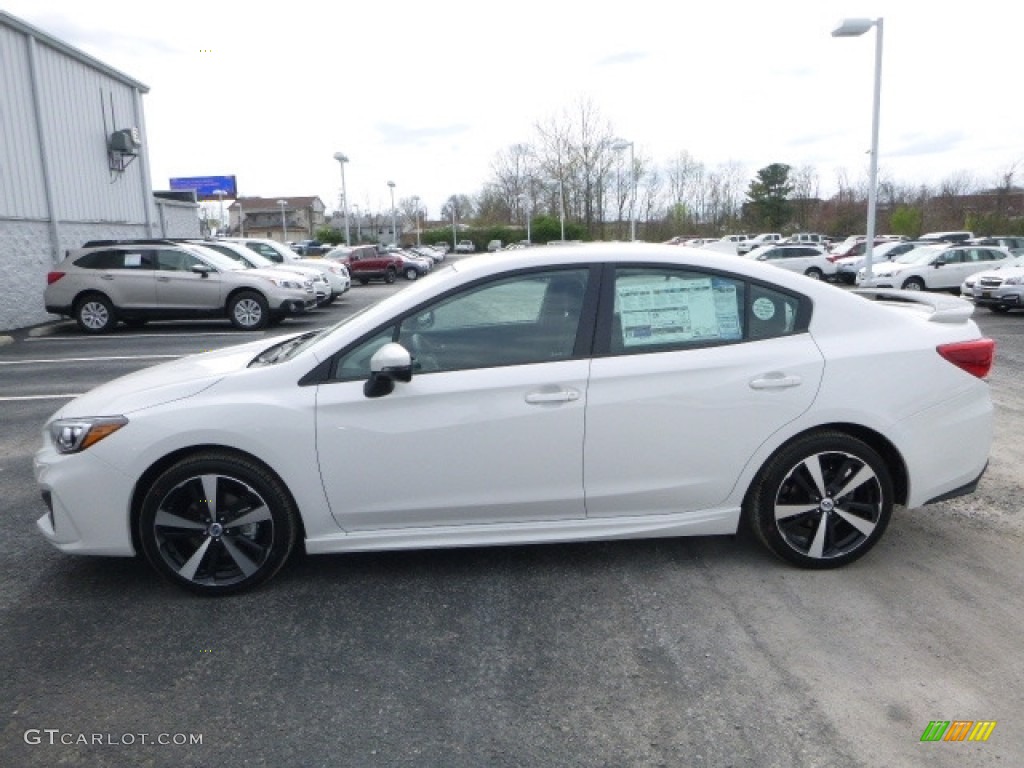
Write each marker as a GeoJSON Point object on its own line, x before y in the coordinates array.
{"type": "Point", "coordinates": [933, 267]}
{"type": "Point", "coordinates": [337, 274]}
{"type": "Point", "coordinates": [806, 259]}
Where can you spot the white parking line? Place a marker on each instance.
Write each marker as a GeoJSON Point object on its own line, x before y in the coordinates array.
{"type": "Point", "coordinates": [90, 359]}
{"type": "Point", "coordinates": [143, 336]}
{"type": "Point", "coordinates": [4, 399]}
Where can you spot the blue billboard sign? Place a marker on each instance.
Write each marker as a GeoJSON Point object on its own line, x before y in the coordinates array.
{"type": "Point", "coordinates": [207, 187]}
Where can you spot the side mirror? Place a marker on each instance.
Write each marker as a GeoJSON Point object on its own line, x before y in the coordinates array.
{"type": "Point", "coordinates": [389, 364]}
{"type": "Point", "coordinates": [939, 263]}
{"type": "Point", "coordinates": [202, 269]}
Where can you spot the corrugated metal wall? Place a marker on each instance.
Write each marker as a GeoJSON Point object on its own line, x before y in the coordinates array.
{"type": "Point", "coordinates": [22, 194]}
{"type": "Point", "coordinates": [80, 106]}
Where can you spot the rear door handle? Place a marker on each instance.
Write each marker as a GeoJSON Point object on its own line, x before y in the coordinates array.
{"type": "Point", "coordinates": [558, 396]}
{"type": "Point", "coordinates": [775, 381]}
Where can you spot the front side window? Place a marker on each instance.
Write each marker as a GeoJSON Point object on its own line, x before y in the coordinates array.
{"type": "Point", "coordinates": [519, 320]}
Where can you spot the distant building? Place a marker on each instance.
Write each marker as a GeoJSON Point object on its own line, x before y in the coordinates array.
{"type": "Point", "coordinates": [298, 219]}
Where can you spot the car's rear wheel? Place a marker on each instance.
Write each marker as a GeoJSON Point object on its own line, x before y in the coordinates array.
{"type": "Point", "coordinates": [411, 273]}
{"type": "Point", "coordinates": [913, 284]}
{"type": "Point", "coordinates": [364, 281]}
{"type": "Point", "coordinates": [390, 275]}
{"type": "Point", "coordinates": [217, 524]}
{"type": "Point", "coordinates": [998, 308]}
{"type": "Point", "coordinates": [95, 314]}
{"type": "Point", "coordinates": [822, 501]}
{"type": "Point", "coordinates": [329, 300]}
{"type": "Point", "coordinates": [814, 273]}
{"type": "Point", "coordinates": [249, 311]}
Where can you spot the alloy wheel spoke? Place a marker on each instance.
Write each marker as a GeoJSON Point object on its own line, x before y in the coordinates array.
{"type": "Point", "coordinates": [864, 475]}
{"type": "Point", "coordinates": [188, 570]}
{"type": "Point", "coordinates": [247, 566]}
{"type": "Point", "coordinates": [785, 511]}
{"type": "Point", "coordinates": [258, 515]}
{"type": "Point", "coordinates": [860, 524]}
{"type": "Point", "coordinates": [210, 494]}
{"type": "Point", "coordinates": [166, 519]}
{"type": "Point", "coordinates": [818, 544]}
{"type": "Point", "coordinates": [813, 466]}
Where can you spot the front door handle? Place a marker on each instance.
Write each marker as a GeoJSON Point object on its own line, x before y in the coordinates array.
{"type": "Point", "coordinates": [556, 396]}
{"type": "Point", "coordinates": [775, 381]}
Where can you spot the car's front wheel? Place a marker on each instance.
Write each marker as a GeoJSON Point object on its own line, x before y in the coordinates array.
{"type": "Point", "coordinates": [95, 314]}
{"type": "Point", "coordinates": [998, 308]}
{"type": "Point", "coordinates": [217, 524]}
{"type": "Point", "coordinates": [822, 501]}
{"type": "Point", "coordinates": [249, 311]}
{"type": "Point", "coordinates": [814, 273]}
{"type": "Point", "coordinates": [913, 284]}
{"type": "Point", "coordinates": [411, 273]}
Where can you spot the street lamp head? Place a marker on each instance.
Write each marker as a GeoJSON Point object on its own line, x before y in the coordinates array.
{"type": "Point", "coordinates": [282, 202]}
{"type": "Point", "coordinates": [341, 157]}
{"type": "Point", "coordinates": [620, 144]}
{"type": "Point", "coordinates": [391, 184]}
{"type": "Point", "coordinates": [853, 27]}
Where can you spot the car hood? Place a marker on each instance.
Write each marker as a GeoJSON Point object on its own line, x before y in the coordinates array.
{"type": "Point", "coordinates": [888, 268]}
{"type": "Point", "coordinates": [174, 380]}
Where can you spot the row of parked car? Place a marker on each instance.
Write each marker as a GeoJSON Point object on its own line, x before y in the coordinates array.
{"type": "Point", "coordinates": [253, 282]}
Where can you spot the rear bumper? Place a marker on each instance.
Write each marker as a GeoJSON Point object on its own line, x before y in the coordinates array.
{"type": "Point", "coordinates": [963, 490]}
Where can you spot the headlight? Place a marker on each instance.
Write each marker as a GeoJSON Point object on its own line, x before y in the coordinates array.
{"type": "Point", "coordinates": [283, 282]}
{"type": "Point", "coordinates": [74, 435]}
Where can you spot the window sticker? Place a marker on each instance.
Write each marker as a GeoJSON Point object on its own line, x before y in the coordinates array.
{"type": "Point", "coordinates": [655, 310]}
{"type": "Point", "coordinates": [764, 309]}
{"type": "Point", "coordinates": [132, 260]}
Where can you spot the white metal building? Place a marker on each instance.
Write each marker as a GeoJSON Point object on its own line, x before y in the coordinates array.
{"type": "Point", "coordinates": [73, 164]}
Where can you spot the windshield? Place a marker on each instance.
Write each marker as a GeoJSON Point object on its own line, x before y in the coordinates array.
{"type": "Point", "coordinates": [919, 255]}
{"type": "Point", "coordinates": [215, 259]}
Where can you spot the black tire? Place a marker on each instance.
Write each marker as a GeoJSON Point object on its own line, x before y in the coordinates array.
{"type": "Point", "coordinates": [821, 501]}
{"type": "Point", "coordinates": [411, 273]}
{"type": "Point", "coordinates": [390, 275]}
{"type": "Point", "coordinates": [329, 300]}
{"type": "Point", "coordinates": [238, 544]}
{"type": "Point", "coordinates": [95, 314]}
{"type": "Point", "coordinates": [998, 308]}
{"type": "Point", "coordinates": [364, 281]}
{"type": "Point", "coordinates": [815, 274]}
{"type": "Point", "coordinates": [913, 284]}
{"type": "Point", "coordinates": [249, 311]}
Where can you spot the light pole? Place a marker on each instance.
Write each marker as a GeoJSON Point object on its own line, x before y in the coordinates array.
{"type": "Point", "coordinates": [394, 229]}
{"type": "Point", "coordinates": [561, 205]}
{"type": "Point", "coordinates": [856, 28]}
{"type": "Point", "coordinates": [359, 231]}
{"type": "Point", "coordinates": [284, 221]}
{"type": "Point", "coordinates": [342, 158]}
{"type": "Point", "coordinates": [416, 202]}
{"type": "Point", "coordinates": [618, 146]}
{"type": "Point", "coordinates": [526, 205]}
{"type": "Point", "coordinates": [220, 221]}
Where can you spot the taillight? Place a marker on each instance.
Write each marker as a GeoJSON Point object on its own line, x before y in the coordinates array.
{"type": "Point", "coordinates": [53, 277]}
{"type": "Point", "coordinates": [975, 357]}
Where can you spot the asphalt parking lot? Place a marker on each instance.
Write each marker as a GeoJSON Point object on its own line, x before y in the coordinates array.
{"type": "Point", "coordinates": [692, 652]}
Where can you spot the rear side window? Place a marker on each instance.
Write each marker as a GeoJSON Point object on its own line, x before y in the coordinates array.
{"type": "Point", "coordinates": [662, 309]}
{"type": "Point", "coordinates": [116, 259]}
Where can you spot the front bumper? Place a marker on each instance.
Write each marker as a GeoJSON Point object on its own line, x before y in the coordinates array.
{"type": "Point", "coordinates": [999, 297]}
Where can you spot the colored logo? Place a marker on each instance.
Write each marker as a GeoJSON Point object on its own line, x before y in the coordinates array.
{"type": "Point", "coordinates": [958, 730]}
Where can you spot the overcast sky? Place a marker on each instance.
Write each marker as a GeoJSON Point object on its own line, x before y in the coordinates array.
{"type": "Point", "coordinates": [426, 92]}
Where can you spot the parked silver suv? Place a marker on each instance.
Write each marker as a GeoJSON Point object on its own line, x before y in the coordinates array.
{"type": "Point", "coordinates": [138, 280]}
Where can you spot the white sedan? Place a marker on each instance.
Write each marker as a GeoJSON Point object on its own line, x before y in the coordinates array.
{"type": "Point", "coordinates": [579, 393]}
